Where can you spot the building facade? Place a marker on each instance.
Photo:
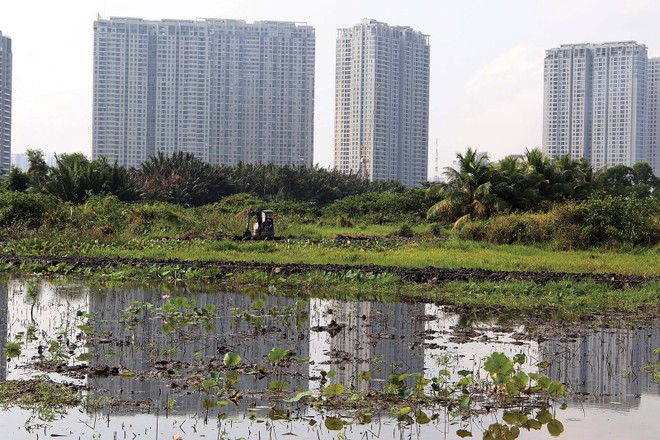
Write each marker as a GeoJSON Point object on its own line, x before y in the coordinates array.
{"type": "Point", "coordinates": [382, 102]}
{"type": "Point", "coordinates": [226, 91]}
{"type": "Point", "coordinates": [5, 104]}
{"type": "Point", "coordinates": [653, 114]}
{"type": "Point", "coordinates": [598, 103]}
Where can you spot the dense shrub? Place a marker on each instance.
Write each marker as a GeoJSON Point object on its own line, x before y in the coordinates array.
{"type": "Point", "coordinates": [405, 231]}
{"type": "Point", "coordinates": [382, 207]}
{"type": "Point", "coordinates": [344, 222]}
{"type": "Point", "coordinates": [622, 219]}
{"type": "Point", "coordinates": [22, 208]}
{"type": "Point", "coordinates": [511, 229]}
{"type": "Point", "coordinates": [164, 218]}
{"type": "Point", "coordinates": [607, 220]}
{"type": "Point", "coordinates": [102, 212]}
{"type": "Point", "coordinates": [237, 203]}
{"type": "Point", "coordinates": [520, 229]}
{"type": "Point", "coordinates": [475, 230]}
{"type": "Point", "coordinates": [439, 230]}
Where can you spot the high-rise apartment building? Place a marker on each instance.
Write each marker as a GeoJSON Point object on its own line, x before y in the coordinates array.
{"type": "Point", "coordinates": [597, 104]}
{"type": "Point", "coordinates": [382, 102]}
{"type": "Point", "coordinates": [5, 104]}
{"type": "Point", "coordinates": [225, 90]}
{"type": "Point", "coordinates": [653, 114]}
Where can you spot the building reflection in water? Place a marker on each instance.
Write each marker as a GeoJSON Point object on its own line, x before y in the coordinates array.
{"type": "Point", "coordinates": [606, 363]}
{"type": "Point", "coordinates": [4, 315]}
{"type": "Point", "coordinates": [360, 336]}
{"type": "Point", "coordinates": [138, 349]}
{"type": "Point", "coordinates": [348, 337]}
{"type": "Point", "coordinates": [34, 311]}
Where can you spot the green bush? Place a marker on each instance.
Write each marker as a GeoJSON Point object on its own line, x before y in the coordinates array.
{"type": "Point", "coordinates": [569, 213]}
{"type": "Point", "coordinates": [344, 222]}
{"type": "Point", "coordinates": [505, 229]}
{"type": "Point", "coordinates": [104, 212]}
{"type": "Point", "coordinates": [621, 219]}
{"type": "Point", "coordinates": [520, 229]}
{"type": "Point", "coordinates": [439, 230]}
{"type": "Point", "coordinates": [164, 218]}
{"type": "Point", "coordinates": [568, 220]}
{"type": "Point", "coordinates": [236, 203]}
{"type": "Point", "coordinates": [379, 208]}
{"type": "Point", "coordinates": [607, 220]}
{"type": "Point", "coordinates": [405, 231]}
{"type": "Point", "coordinates": [474, 230]}
{"type": "Point", "coordinates": [288, 207]}
{"type": "Point", "coordinates": [23, 208]}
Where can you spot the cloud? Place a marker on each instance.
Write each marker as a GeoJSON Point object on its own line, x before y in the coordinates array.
{"type": "Point", "coordinates": [509, 67]}
{"type": "Point", "coordinates": [500, 108]}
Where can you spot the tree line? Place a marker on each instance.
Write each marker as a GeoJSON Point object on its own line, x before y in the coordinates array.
{"type": "Point", "coordinates": [185, 180]}
{"type": "Point", "coordinates": [476, 188]}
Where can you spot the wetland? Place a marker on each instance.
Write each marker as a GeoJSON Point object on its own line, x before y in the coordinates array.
{"type": "Point", "coordinates": [85, 359]}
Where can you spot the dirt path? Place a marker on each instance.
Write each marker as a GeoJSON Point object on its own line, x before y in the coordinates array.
{"type": "Point", "coordinates": [412, 275]}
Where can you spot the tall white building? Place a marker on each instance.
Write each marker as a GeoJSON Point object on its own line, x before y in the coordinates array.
{"type": "Point", "coordinates": [596, 103]}
{"type": "Point", "coordinates": [382, 102]}
{"type": "Point", "coordinates": [653, 114]}
{"type": "Point", "coordinates": [5, 104]}
{"type": "Point", "coordinates": [225, 90]}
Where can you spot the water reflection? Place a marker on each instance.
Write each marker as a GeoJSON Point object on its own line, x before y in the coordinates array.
{"type": "Point", "coordinates": [4, 313]}
{"type": "Point", "coordinates": [323, 335]}
{"type": "Point", "coordinates": [381, 338]}
{"type": "Point", "coordinates": [606, 364]}
{"type": "Point", "coordinates": [137, 348]}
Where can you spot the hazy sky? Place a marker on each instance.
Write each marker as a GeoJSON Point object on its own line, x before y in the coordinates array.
{"type": "Point", "coordinates": [486, 60]}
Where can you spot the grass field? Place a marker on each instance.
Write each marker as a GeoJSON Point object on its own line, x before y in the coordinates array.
{"type": "Point", "coordinates": [407, 253]}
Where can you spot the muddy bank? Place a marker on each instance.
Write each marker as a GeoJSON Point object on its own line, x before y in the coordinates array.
{"type": "Point", "coordinates": [407, 274]}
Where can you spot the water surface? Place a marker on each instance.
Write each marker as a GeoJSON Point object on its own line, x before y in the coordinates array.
{"type": "Point", "coordinates": [603, 366]}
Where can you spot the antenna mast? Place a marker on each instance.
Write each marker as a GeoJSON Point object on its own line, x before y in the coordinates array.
{"type": "Point", "coordinates": [437, 176]}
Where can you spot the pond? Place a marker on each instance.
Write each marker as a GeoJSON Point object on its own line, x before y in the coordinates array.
{"type": "Point", "coordinates": [164, 363]}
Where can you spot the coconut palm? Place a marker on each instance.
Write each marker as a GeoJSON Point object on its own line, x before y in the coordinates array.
{"type": "Point", "coordinates": [467, 192]}
{"type": "Point", "coordinates": [516, 183]}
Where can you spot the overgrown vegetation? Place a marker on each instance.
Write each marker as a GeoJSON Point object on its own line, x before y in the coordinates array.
{"type": "Point", "coordinates": [540, 200]}
{"type": "Point", "coordinates": [532, 200]}
{"type": "Point", "coordinates": [185, 180]}
{"type": "Point", "coordinates": [605, 220]}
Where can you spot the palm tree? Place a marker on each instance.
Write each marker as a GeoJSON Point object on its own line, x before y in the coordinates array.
{"type": "Point", "coordinates": [65, 179]}
{"type": "Point", "coordinates": [562, 178]}
{"type": "Point", "coordinates": [182, 179]}
{"type": "Point", "coordinates": [467, 192]}
{"type": "Point", "coordinates": [74, 178]}
{"type": "Point", "coordinates": [516, 183]}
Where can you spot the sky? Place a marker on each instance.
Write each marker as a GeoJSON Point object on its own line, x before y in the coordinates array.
{"type": "Point", "coordinates": [486, 61]}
